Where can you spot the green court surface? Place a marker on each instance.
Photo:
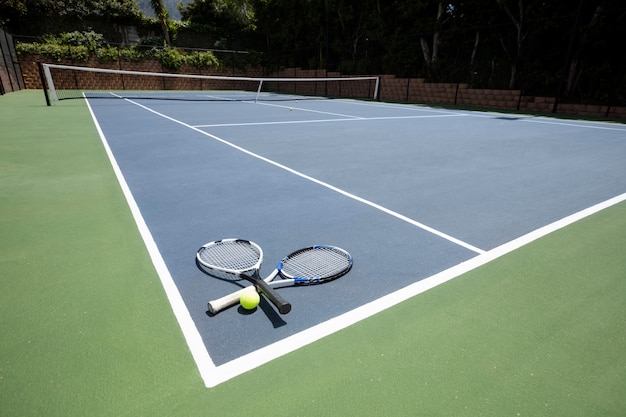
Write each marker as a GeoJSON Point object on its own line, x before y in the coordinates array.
{"type": "Point", "coordinates": [87, 329]}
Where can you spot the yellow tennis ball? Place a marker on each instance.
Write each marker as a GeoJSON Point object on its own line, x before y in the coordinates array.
{"type": "Point", "coordinates": [290, 108]}
{"type": "Point", "coordinates": [250, 299]}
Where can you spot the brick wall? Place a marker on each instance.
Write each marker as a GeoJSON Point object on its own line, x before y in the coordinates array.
{"type": "Point", "coordinates": [114, 82]}
{"type": "Point", "coordinates": [416, 90]}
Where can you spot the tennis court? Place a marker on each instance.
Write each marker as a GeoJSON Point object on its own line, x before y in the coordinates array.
{"type": "Point", "coordinates": [410, 192]}
{"type": "Point", "coordinates": [417, 195]}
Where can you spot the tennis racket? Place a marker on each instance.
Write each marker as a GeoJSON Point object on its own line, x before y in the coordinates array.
{"type": "Point", "coordinates": [306, 266]}
{"type": "Point", "coordinates": [238, 258]}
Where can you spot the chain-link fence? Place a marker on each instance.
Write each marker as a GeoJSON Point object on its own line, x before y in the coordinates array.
{"type": "Point", "coordinates": [10, 72]}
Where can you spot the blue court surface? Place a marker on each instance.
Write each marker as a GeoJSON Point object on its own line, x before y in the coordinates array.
{"type": "Point", "coordinates": [417, 195]}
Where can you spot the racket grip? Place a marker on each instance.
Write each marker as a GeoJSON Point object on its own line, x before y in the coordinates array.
{"type": "Point", "coordinates": [281, 304]}
{"type": "Point", "coordinates": [223, 303]}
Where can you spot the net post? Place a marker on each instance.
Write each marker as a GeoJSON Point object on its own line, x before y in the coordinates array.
{"type": "Point", "coordinates": [376, 88]}
{"type": "Point", "coordinates": [43, 82]}
{"type": "Point", "coordinates": [258, 91]}
{"type": "Point", "coordinates": [48, 75]}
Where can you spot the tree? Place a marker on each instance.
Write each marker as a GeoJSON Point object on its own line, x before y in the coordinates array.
{"type": "Point", "coordinates": [431, 55]}
{"type": "Point", "coordinates": [517, 14]}
{"type": "Point", "coordinates": [161, 12]}
{"type": "Point", "coordinates": [29, 16]}
{"type": "Point", "coordinates": [294, 35]}
{"type": "Point", "coordinates": [355, 22]}
{"type": "Point", "coordinates": [598, 61]}
{"type": "Point", "coordinates": [529, 18]}
{"type": "Point", "coordinates": [222, 17]}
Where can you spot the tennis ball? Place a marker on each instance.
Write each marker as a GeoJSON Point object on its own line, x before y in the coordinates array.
{"type": "Point", "coordinates": [250, 299]}
{"type": "Point", "coordinates": [290, 108]}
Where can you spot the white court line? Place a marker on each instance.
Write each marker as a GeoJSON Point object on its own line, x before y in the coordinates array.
{"type": "Point", "coordinates": [529, 118]}
{"type": "Point", "coordinates": [196, 345]}
{"type": "Point", "coordinates": [219, 97]}
{"type": "Point", "coordinates": [214, 375]}
{"type": "Point", "coordinates": [330, 120]}
{"type": "Point", "coordinates": [403, 106]}
{"type": "Point", "coordinates": [308, 110]}
{"type": "Point", "coordinates": [573, 124]}
{"type": "Point", "coordinates": [602, 125]}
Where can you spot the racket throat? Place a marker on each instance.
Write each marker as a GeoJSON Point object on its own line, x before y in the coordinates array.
{"type": "Point", "coordinates": [281, 304]}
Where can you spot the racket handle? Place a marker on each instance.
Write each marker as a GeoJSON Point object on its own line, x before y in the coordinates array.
{"type": "Point", "coordinates": [231, 299]}
{"type": "Point", "coordinates": [283, 306]}
{"type": "Point", "coordinates": [223, 303]}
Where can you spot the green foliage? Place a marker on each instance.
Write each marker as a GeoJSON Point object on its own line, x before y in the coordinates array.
{"type": "Point", "coordinates": [227, 17]}
{"type": "Point", "coordinates": [76, 46]}
{"type": "Point", "coordinates": [121, 11]}
{"type": "Point", "coordinates": [174, 59]}
{"type": "Point", "coordinates": [90, 40]}
{"type": "Point", "coordinates": [54, 51]}
{"type": "Point", "coordinates": [170, 58]}
{"type": "Point", "coordinates": [107, 54]}
{"type": "Point", "coordinates": [110, 53]}
{"type": "Point", "coordinates": [151, 40]}
{"type": "Point", "coordinates": [170, 5]}
{"type": "Point", "coordinates": [173, 29]}
{"type": "Point", "coordinates": [203, 60]}
{"type": "Point", "coordinates": [18, 15]}
{"type": "Point", "coordinates": [132, 54]}
{"type": "Point", "coordinates": [79, 46]}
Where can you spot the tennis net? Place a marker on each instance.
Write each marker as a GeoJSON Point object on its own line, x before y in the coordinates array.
{"type": "Point", "coordinates": [61, 82]}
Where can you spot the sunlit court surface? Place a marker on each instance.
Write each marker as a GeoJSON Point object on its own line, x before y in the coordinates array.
{"type": "Point", "coordinates": [417, 195]}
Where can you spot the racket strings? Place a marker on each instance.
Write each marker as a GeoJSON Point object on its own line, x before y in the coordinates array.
{"type": "Point", "coordinates": [317, 264]}
{"type": "Point", "coordinates": [233, 255]}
